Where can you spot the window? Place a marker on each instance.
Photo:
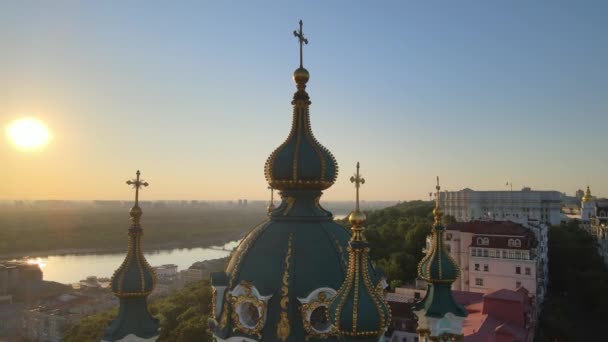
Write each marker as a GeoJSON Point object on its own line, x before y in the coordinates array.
{"type": "Point", "coordinates": [510, 243]}
{"type": "Point", "coordinates": [517, 270]}
{"type": "Point", "coordinates": [479, 241]}
{"type": "Point", "coordinates": [517, 243]}
{"type": "Point", "coordinates": [518, 255]}
{"type": "Point", "coordinates": [319, 319]}
{"type": "Point", "coordinates": [478, 281]}
{"type": "Point", "coordinates": [486, 268]}
{"type": "Point", "coordinates": [474, 251]}
{"type": "Point", "coordinates": [517, 284]}
{"type": "Point", "coordinates": [476, 267]}
{"type": "Point", "coordinates": [486, 241]}
{"type": "Point", "coordinates": [485, 253]}
{"type": "Point", "coordinates": [504, 254]}
{"type": "Point", "coordinates": [527, 270]}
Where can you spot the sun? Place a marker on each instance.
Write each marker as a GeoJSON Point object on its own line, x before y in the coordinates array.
{"type": "Point", "coordinates": [28, 134]}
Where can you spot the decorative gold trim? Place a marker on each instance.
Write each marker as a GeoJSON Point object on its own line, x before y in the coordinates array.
{"type": "Point", "coordinates": [283, 328]}
{"type": "Point", "coordinates": [306, 311]}
{"type": "Point", "coordinates": [259, 304]}
{"type": "Point", "coordinates": [290, 202]}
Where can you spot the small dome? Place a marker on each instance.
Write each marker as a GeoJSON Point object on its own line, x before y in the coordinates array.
{"type": "Point", "coordinates": [301, 162]}
{"type": "Point", "coordinates": [359, 310]}
{"type": "Point", "coordinates": [438, 265]}
{"type": "Point", "coordinates": [135, 277]}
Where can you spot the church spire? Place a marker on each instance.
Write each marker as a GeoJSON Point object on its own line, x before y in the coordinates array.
{"type": "Point", "coordinates": [359, 311]}
{"type": "Point", "coordinates": [439, 270]}
{"type": "Point", "coordinates": [301, 162]}
{"type": "Point", "coordinates": [132, 282]}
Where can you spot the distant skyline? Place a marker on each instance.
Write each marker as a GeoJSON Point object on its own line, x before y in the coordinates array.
{"type": "Point", "coordinates": [197, 95]}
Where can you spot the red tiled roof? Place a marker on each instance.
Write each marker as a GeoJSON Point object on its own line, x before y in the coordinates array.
{"type": "Point", "coordinates": [504, 294]}
{"type": "Point", "coordinates": [489, 228]}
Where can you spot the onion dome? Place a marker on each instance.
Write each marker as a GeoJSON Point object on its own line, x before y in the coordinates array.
{"type": "Point", "coordinates": [132, 282]}
{"type": "Point", "coordinates": [301, 162]}
{"type": "Point", "coordinates": [359, 311]}
{"type": "Point", "coordinates": [440, 270]}
{"type": "Point", "coordinates": [588, 197]}
{"type": "Point", "coordinates": [282, 276]}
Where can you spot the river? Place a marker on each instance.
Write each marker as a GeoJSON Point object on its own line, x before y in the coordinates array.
{"type": "Point", "coordinates": [69, 269]}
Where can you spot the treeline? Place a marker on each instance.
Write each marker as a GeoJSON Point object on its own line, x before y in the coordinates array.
{"type": "Point", "coordinates": [576, 305]}
{"type": "Point", "coordinates": [183, 316]}
{"type": "Point", "coordinates": [83, 229]}
{"type": "Point", "coordinates": [397, 236]}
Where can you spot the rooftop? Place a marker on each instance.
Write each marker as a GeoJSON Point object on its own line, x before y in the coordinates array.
{"type": "Point", "coordinates": [490, 228]}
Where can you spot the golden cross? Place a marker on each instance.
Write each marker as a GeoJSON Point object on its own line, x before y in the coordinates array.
{"type": "Point", "coordinates": [358, 180]}
{"type": "Point", "coordinates": [302, 39]}
{"type": "Point", "coordinates": [137, 183]}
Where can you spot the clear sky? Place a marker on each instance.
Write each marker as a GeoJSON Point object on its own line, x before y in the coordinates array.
{"type": "Point", "coordinates": [197, 95]}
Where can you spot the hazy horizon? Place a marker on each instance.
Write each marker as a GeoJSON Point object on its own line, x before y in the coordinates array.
{"type": "Point", "coordinates": [197, 95]}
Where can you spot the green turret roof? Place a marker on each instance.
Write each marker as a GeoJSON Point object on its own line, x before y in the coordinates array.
{"type": "Point", "coordinates": [132, 282]}
{"type": "Point", "coordinates": [440, 270]}
{"type": "Point", "coordinates": [359, 311]}
{"type": "Point", "coordinates": [301, 162]}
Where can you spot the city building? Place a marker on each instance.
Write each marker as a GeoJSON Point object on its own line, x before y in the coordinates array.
{"type": "Point", "coordinates": [19, 279]}
{"type": "Point", "coordinates": [535, 206]}
{"type": "Point", "coordinates": [495, 255]}
{"type": "Point", "coordinates": [166, 271]}
{"type": "Point", "coordinates": [11, 319]}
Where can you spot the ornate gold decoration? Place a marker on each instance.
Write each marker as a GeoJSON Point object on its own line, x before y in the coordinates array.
{"type": "Point", "coordinates": [260, 305]}
{"type": "Point", "coordinates": [271, 204]}
{"type": "Point", "coordinates": [235, 264]}
{"type": "Point", "coordinates": [283, 328]}
{"type": "Point", "coordinates": [588, 197]}
{"type": "Point", "coordinates": [306, 311]}
{"type": "Point", "coordinates": [290, 202]}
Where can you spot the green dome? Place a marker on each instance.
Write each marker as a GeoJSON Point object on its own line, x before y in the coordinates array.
{"type": "Point", "coordinates": [301, 162]}
{"type": "Point", "coordinates": [132, 282]}
{"type": "Point", "coordinates": [293, 262]}
{"type": "Point", "coordinates": [438, 265]}
{"type": "Point", "coordinates": [359, 311]}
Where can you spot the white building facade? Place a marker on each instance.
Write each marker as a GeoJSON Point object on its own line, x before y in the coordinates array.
{"type": "Point", "coordinates": [495, 255]}
{"type": "Point", "coordinates": [533, 206]}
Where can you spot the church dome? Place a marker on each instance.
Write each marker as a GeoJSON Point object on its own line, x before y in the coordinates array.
{"type": "Point", "coordinates": [301, 162]}
{"type": "Point", "coordinates": [281, 278]}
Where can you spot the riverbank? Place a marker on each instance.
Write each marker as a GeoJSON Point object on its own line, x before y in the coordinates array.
{"type": "Point", "coordinates": [147, 248]}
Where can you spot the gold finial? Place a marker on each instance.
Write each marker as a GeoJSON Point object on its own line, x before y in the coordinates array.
{"type": "Point", "coordinates": [300, 35]}
{"type": "Point", "coordinates": [271, 204]}
{"type": "Point", "coordinates": [437, 213]}
{"type": "Point", "coordinates": [357, 218]}
{"type": "Point", "coordinates": [588, 197]}
{"type": "Point", "coordinates": [136, 210]}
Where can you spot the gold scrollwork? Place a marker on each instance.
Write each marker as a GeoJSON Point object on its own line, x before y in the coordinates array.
{"type": "Point", "coordinates": [306, 312]}
{"type": "Point", "coordinates": [283, 328]}
{"type": "Point", "coordinates": [259, 305]}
